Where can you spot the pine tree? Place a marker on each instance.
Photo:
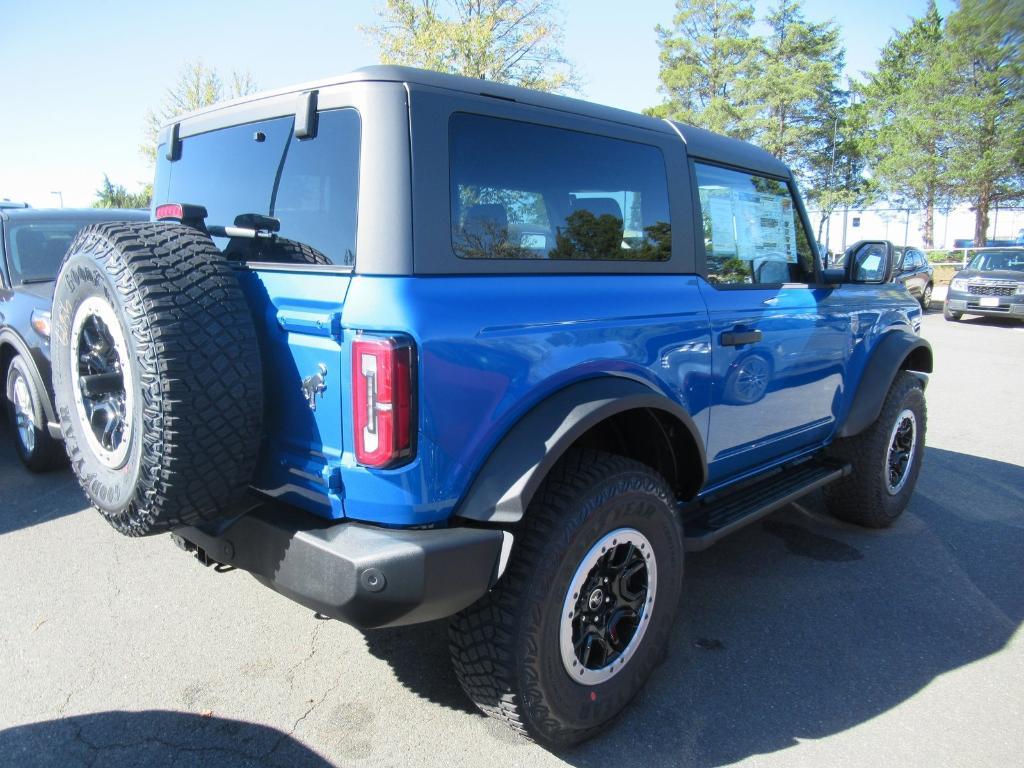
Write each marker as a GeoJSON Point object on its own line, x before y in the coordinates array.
{"type": "Point", "coordinates": [797, 89]}
{"type": "Point", "coordinates": [906, 99]}
{"type": "Point", "coordinates": [707, 59]}
{"type": "Point", "coordinates": [983, 64]}
{"type": "Point", "coordinates": [111, 195]}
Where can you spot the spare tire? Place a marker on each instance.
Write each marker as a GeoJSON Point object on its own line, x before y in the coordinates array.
{"type": "Point", "coordinates": [157, 375]}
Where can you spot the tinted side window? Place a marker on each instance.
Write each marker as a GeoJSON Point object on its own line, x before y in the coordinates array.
{"type": "Point", "coordinates": [752, 234]}
{"type": "Point", "coordinates": [526, 191]}
{"type": "Point", "coordinates": [309, 185]}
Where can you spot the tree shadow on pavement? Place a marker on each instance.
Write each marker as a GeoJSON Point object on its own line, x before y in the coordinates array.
{"type": "Point", "coordinates": [152, 738]}
{"type": "Point", "coordinates": [29, 498]}
{"type": "Point", "coordinates": [801, 626]}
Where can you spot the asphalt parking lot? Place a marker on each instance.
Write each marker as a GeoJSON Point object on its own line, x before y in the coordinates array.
{"type": "Point", "coordinates": [802, 641]}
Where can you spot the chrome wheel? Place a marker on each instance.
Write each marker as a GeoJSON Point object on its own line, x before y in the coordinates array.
{"type": "Point", "coordinates": [900, 457]}
{"type": "Point", "coordinates": [24, 414]}
{"type": "Point", "coordinates": [608, 606]}
{"type": "Point", "coordinates": [104, 388]}
{"type": "Point", "coordinates": [926, 300]}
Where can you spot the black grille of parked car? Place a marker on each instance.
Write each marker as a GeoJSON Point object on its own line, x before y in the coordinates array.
{"type": "Point", "coordinates": [1005, 289]}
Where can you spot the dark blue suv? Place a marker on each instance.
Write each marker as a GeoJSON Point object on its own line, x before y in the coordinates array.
{"type": "Point", "coordinates": [33, 242]}
{"type": "Point", "coordinates": [409, 346]}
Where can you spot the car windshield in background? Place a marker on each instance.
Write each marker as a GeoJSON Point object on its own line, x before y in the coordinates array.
{"type": "Point", "coordinates": [35, 249]}
{"type": "Point", "coordinates": [992, 260]}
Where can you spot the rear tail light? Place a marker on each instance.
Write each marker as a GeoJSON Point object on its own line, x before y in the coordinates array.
{"type": "Point", "coordinates": [383, 392]}
{"type": "Point", "coordinates": [191, 215]}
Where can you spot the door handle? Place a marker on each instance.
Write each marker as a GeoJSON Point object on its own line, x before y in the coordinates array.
{"type": "Point", "coordinates": [738, 338]}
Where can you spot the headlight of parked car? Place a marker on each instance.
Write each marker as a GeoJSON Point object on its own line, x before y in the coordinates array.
{"type": "Point", "coordinates": [1020, 289]}
{"type": "Point", "coordinates": [958, 284]}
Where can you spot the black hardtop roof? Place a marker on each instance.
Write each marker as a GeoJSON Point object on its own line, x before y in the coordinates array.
{"type": "Point", "coordinates": [700, 143]}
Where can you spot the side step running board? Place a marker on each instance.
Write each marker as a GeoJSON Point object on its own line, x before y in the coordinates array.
{"type": "Point", "coordinates": [706, 521]}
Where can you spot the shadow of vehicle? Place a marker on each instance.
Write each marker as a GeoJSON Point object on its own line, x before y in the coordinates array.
{"type": "Point", "coordinates": [418, 655]}
{"type": "Point", "coordinates": [802, 627]}
{"type": "Point", "coordinates": [991, 321]}
{"type": "Point", "coordinates": [152, 738]}
{"type": "Point", "coordinates": [30, 498]}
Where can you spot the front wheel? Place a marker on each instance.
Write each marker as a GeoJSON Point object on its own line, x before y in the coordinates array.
{"type": "Point", "coordinates": [582, 616]}
{"type": "Point", "coordinates": [926, 297]}
{"type": "Point", "coordinates": [950, 315]}
{"type": "Point", "coordinates": [886, 459]}
{"type": "Point", "coordinates": [36, 449]}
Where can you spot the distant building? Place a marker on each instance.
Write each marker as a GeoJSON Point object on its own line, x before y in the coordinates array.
{"type": "Point", "coordinates": [953, 228]}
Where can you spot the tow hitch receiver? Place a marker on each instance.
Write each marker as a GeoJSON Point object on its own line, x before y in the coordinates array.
{"type": "Point", "coordinates": [200, 553]}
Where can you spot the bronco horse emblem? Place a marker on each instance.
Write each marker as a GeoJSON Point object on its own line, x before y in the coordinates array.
{"type": "Point", "coordinates": [315, 385]}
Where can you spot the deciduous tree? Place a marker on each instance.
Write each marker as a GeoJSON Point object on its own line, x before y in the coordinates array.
{"type": "Point", "coordinates": [507, 41]}
{"type": "Point", "coordinates": [197, 86]}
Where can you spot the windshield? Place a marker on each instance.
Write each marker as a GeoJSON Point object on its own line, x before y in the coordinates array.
{"type": "Point", "coordinates": [35, 249]}
{"type": "Point", "coordinates": [993, 260]}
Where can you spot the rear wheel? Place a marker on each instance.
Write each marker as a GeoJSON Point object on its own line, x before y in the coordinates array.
{"type": "Point", "coordinates": [582, 616]}
{"type": "Point", "coordinates": [157, 375]}
{"type": "Point", "coordinates": [926, 297]}
{"type": "Point", "coordinates": [32, 442]}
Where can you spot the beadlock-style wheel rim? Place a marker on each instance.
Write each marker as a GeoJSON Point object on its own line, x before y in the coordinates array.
{"type": "Point", "coordinates": [24, 414]}
{"type": "Point", "coordinates": [102, 387]}
{"type": "Point", "coordinates": [608, 606]}
{"type": "Point", "coordinates": [900, 457]}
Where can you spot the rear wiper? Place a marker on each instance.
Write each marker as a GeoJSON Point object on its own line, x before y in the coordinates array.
{"type": "Point", "coordinates": [31, 280]}
{"type": "Point", "coordinates": [247, 225]}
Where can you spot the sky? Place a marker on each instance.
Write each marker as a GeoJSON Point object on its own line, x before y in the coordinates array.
{"type": "Point", "coordinates": [79, 76]}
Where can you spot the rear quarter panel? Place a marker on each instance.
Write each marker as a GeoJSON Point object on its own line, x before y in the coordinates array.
{"type": "Point", "coordinates": [490, 348]}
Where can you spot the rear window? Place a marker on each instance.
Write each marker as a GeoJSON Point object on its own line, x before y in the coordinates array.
{"type": "Point", "coordinates": [35, 249]}
{"type": "Point", "coordinates": [526, 191]}
{"type": "Point", "coordinates": [309, 185]}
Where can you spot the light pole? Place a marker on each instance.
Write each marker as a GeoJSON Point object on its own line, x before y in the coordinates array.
{"type": "Point", "coordinates": [60, 196]}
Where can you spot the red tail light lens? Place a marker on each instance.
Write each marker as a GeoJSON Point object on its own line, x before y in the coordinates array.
{"type": "Point", "coordinates": [169, 211]}
{"type": "Point", "coordinates": [383, 391]}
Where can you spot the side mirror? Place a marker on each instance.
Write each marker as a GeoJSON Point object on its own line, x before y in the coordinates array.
{"type": "Point", "coordinates": [870, 261]}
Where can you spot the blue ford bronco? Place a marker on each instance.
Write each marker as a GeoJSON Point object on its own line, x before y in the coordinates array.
{"type": "Point", "coordinates": [408, 346]}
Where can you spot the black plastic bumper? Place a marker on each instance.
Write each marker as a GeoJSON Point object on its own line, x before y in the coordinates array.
{"type": "Point", "coordinates": [360, 574]}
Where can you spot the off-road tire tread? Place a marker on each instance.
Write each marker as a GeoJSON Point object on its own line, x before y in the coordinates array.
{"type": "Point", "coordinates": [861, 497]}
{"type": "Point", "coordinates": [199, 367]}
{"type": "Point", "coordinates": [483, 637]}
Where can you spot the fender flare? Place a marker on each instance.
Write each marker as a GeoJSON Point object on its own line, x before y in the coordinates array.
{"type": "Point", "coordinates": [21, 349]}
{"type": "Point", "coordinates": [506, 482]}
{"type": "Point", "coordinates": [889, 357]}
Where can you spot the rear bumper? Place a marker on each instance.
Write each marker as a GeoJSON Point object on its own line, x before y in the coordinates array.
{"type": "Point", "coordinates": [360, 574]}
